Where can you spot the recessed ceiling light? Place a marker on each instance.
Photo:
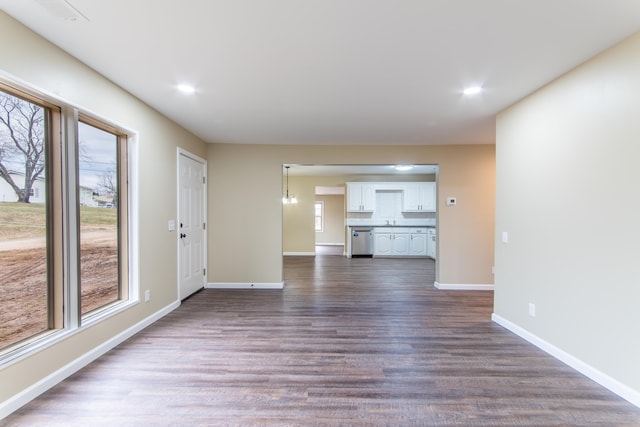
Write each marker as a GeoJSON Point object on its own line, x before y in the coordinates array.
{"type": "Point", "coordinates": [472, 90]}
{"type": "Point", "coordinates": [184, 88]}
{"type": "Point", "coordinates": [404, 167]}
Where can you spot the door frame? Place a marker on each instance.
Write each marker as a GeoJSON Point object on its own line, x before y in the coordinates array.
{"type": "Point", "coordinates": [183, 152]}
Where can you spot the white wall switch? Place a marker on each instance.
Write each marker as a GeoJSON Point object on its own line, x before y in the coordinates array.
{"type": "Point", "coordinates": [451, 201]}
{"type": "Point", "coordinates": [147, 295]}
{"type": "Point", "coordinates": [505, 237]}
{"type": "Point", "coordinates": [532, 309]}
{"type": "Point", "coordinates": [172, 225]}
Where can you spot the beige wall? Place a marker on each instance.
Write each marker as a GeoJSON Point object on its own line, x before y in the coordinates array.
{"type": "Point", "coordinates": [298, 226]}
{"type": "Point", "coordinates": [31, 59]}
{"type": "Point", "coordinates": [568, 195]}
{"type": "Point", "coordinates": [246, 213]}
{"type": "Point", "coordinates": [334, 212]}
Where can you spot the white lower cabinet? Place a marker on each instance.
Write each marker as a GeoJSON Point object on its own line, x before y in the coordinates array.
{"type": "Point", "coordinates": [431, 243]}
{"type": "Point", "coordinates": [418, 242]}
{"type": "Point", "coordinates": [382, 244]}
{"type": "Point", "coordinates": [399, 242]}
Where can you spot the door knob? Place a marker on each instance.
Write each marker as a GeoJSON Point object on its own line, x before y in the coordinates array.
{"type": "Point", "coordinates": [182, 236]}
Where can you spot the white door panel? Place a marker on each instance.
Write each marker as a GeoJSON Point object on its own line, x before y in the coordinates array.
{"type": "Point", "coordinates": [191, 225]}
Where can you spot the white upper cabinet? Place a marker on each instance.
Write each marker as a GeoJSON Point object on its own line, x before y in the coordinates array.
{"type": "Point", "coordinates": [419, 197]}
{"type": "Point", "coordinates": [361, 197]}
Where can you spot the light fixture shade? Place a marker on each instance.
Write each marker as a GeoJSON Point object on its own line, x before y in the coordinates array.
{"type": "Point", "coordinates": [289, 199]}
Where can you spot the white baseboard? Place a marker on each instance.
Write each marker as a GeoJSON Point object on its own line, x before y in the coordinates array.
{"type": "Point", "coordinates": [17, 401]}
{"type": "Point", "coordinates": [242, 285]}
{"type": "Point", "coordinates": [462, 287]}
{"type": "Point", "coordinates": [622, 390]}
{"type": "Point", "coordinates": [299, 254]}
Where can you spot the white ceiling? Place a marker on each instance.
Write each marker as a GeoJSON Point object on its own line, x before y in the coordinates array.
{"type": "Point", "coordinates": [333, 71]}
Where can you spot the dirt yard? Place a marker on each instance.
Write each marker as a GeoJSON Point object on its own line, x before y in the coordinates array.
{"type": "Point", "coordinates": [23, 271]}
{"type": "Point", "coordinates": [24, 288]}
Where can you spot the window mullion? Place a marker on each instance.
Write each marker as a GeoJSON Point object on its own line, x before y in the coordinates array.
{"type": "Point", "coordinates": [71, 218]}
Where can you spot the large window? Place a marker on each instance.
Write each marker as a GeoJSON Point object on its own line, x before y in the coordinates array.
{"type": "Point", "coordinates": [100, 170]}
{"type": "Point", "coordinates": [63, 219]}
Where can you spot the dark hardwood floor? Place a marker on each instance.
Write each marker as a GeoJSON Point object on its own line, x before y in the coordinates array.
{"type": "Point", "coordinates": [347, 342]}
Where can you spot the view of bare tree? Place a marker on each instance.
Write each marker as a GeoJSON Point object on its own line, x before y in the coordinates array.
{"type": "Point", "coordinates": [107, 184]}
{"type": "Point", "coordinates": [21, 143]}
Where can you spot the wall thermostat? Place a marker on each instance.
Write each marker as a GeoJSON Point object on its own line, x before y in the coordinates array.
{"type": "Point", "coordinates": [451, 201]}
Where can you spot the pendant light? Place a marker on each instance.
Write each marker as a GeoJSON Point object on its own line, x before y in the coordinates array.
{"type": "Point", "coordinates": [286, 200]}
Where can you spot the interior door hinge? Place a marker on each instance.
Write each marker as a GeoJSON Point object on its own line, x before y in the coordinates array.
{"type": "Point", "coordinates": [204, 225]}
{"type": "Point", "coordinates": [204, 179]}
{"type": "Point", "coordinates": [204, 271]}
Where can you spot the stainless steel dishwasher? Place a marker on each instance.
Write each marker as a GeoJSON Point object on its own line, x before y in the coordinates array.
{"type": "Point", "coordinates": [362, 241]}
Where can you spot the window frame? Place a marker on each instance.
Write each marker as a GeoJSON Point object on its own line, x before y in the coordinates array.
{"type": "Point", "coordinates": [321, 216]}
{"type": "Point", "coordinates": [124, 288]}
{"type": "Point", "coordinates": [63, 221]}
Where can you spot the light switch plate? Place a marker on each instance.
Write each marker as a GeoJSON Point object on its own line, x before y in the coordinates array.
{"type": "Point", "coordinates": [451, 201]}
{"type": "Point", "coordinates": [172, 225]}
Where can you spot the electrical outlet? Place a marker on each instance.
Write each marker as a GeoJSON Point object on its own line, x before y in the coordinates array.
{"type": "Point", "coordinates": [532, 309]}
{"type": "Point", "coordinates": [147, 295]}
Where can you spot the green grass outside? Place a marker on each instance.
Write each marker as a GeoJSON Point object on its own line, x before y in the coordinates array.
{"type": "Point", "coordinates": [24, 220]}
{"type": "Point", "coordinates": [98, 217]}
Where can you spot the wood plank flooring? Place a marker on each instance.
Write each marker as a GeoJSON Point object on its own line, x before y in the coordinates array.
{"type": "Point", "coordinates": [347, 342]}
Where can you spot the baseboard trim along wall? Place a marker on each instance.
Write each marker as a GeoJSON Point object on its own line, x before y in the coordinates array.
{"type": "Point", "coordinates": [27, 395]}
{"type": "Point", "coordinates": [242, 285]}
{"type": "Point", "coordinates": [299, 254]}
{"type": "Point", "coordinates": [622, 390]}
{"type": "Point", "coordinates": [462, 287]}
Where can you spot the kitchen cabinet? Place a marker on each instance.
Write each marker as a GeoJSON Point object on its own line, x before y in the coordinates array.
{"type": "Point", "coordinates": [382, 244]}
{"type": "Point", "coordinates": [431, 243]}
{"type": "Point", "coordinates": [400, 244]}
{"type": "Point", "coordinates": [391, 241]}
{"type": "Point", "coordinates": [419, 197]}
{"type": "Point", "coordinates": [361, 197]}
{"type": "Point", "coordinates": [418, 242]}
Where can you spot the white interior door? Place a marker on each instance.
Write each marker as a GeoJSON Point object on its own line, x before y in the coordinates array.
{"type": "Point", "coordinates": [191, 225]}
